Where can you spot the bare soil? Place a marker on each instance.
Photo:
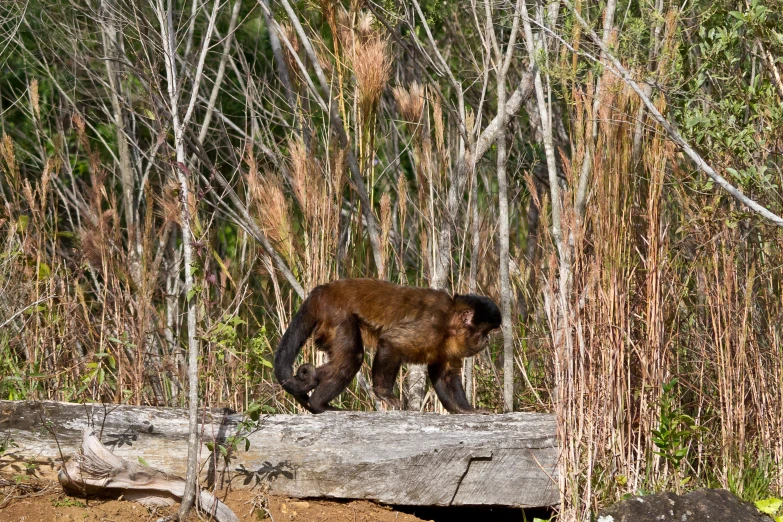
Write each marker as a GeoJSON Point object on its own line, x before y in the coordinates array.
{"type": "Point", "coordinates": [30, 498]}
{"type": "Point", "coordinates": [44, 501]}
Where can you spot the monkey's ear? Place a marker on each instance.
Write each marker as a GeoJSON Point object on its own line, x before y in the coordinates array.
{"type": "Point", "coordinates": [466, 317]}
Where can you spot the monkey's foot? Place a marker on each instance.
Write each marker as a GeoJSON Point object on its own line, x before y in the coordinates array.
{"type": "Point", "coordinates": [392, 402]}
{"type": "Point", "coordinates": [316, 408]}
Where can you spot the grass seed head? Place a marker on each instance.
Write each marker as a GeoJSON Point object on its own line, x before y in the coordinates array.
{"type": "Point", "coordinates": [410, 102]}
{"type": "Point", "coordinates": [372, 66]}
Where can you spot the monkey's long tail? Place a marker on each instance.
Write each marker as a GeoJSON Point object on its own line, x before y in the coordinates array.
{"type": "Point", "coordinates": [294, 338]}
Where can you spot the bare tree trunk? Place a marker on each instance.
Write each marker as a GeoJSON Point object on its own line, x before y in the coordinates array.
{"type": "Point", "coordinates": [473, 273]}
{"type": "Point", "coordinates": [503, 61]}
{"type": "Point", "coordinates": [173, 259]}
{"type": "Point", "coordinates": [181, 173]}
{"type": "Point", "coordinates": [638, 132]}
{"type": "Point", "coordinates": [112, 45]}
{"type": "Point", "coordinates": [505, 283]}
{"type": "Point", "coordinates": [587, 163]}
{"type": "Point", "coordinates": [193, 345]}
{"type": "Point", "coordinates": [557, 304]}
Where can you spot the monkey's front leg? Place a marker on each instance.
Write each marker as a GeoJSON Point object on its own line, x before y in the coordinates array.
{"type": "Point", "coordinates": [385, 368]}
{"type": "Point", "coordinates": [447, 381]}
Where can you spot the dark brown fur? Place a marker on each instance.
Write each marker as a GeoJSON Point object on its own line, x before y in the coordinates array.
{"type": "Point", "coordinates": [404, 324]}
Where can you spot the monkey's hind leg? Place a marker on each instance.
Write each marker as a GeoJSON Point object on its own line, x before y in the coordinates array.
{"type": "Point", "coordinates": [346, 354]}
{"type": "Point", "coordinates": [385, 368]}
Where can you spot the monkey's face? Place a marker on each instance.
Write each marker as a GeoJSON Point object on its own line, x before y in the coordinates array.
{"type": "Point", "coordinates": [475, 318]}
{"type": "Point", "coordinates": [478, 339]}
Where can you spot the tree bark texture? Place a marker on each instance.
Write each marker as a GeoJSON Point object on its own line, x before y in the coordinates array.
{"type": "Point", "coordinates": [394, 457]}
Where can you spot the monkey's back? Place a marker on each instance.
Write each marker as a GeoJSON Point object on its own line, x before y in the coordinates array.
{"type": "Point", "coordinates": [414, 319]}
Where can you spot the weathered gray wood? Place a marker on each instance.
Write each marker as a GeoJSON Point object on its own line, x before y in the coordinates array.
{"type": "Point", "coordinates": [394, 457]}
{"type": "Point", "coordinates": [96, 471]}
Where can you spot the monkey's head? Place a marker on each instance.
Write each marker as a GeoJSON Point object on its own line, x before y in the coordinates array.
{"type": "Point", "coordinates": [306, 378]}
{"type": "Point", "coordinates": [475, 316]}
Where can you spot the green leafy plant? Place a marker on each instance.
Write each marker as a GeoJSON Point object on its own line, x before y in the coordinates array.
{"type": "Point", "coordinates": [771, 506]}
{"type": "Point", "coordinates": [675, 428]}
{"type": "Point", "coordinates": [68, 502]}
{"type": "Point", "coordinates": [250, 422]}
{"type": "Point", "coordinates": [6, 443]}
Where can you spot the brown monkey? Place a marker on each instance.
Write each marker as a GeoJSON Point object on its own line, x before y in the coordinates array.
{"type": "Point", "coordinates": [405, 324]}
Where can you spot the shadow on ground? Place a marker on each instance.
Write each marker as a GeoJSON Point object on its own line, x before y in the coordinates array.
{"type": "Point", "coordinates": [475, 513]}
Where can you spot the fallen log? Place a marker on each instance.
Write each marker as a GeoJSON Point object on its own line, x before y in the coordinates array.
{"type": "Point", "coordinates": [394, 457]}
{"type": "Point", "coordinates": [96, 471]}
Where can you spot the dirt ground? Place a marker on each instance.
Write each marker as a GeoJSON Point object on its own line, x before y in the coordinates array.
{"type": "Point", "coordinates": [44, 501]}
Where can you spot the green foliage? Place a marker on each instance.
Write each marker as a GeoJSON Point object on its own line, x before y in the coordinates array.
{"type": "Point", "coordinates": [252, 420]}
{"type": "Point", "coordinates": [21, 381]}
{"type": "Point", "coordinates": [754, 479]}
{"type": "Point", "coordinates": [223, 335]}
{"type": "Point", "coordinates": [730, 109]}
{"type": "Point", "coordinates": [68, 502]}
{"type": "Point", "coordinates": [675, 428]}
{"type": "Point", "coordinates": [260, 352]}
{"type": "Point", "coordinates": [6, 443]}
{"type": "Point", "coordinates": [101, 371]}
{"type": "Point", "coordinates": [769, 506]}
{"type": "Point", "coordinates": [772, 507]}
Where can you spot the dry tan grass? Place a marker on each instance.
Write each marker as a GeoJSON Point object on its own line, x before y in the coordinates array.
{"type": "Point", "coordinates": [438, 126]}
{"type": "Point", "coordinates": [307, 179]}
{"type": "Point", "coordinates": [365, 26]}
{"type": "Point", "coordinates": [168, 202]}
{"type": "Point", "coordinates": [271, 206]}
{"type": "Point", "coordinates": [372, 67]}
{"type": "Point", "coordinates": [410, 102]}
{"type": "Point", "coordinates": [35, 99]}
{"type": "Point", "coordinates": [287, 32]}
{"type": "Point", "coordinates": [386, 222]}
{"type": "Point", "coordinates": [9, 156]}
{"type": "Point", "coordinates": [402, 207]}
{"type": "Point", "coordinates": [345, 33]}
{"type": "Point", "coordinates": [317, 192]}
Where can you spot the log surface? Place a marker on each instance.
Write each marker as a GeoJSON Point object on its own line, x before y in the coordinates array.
{"type": "Point", "coordinates": [395, 457]}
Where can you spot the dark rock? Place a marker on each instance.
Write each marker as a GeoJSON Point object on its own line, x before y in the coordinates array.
{"type": "Point", "coordinates": [714, 505]}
